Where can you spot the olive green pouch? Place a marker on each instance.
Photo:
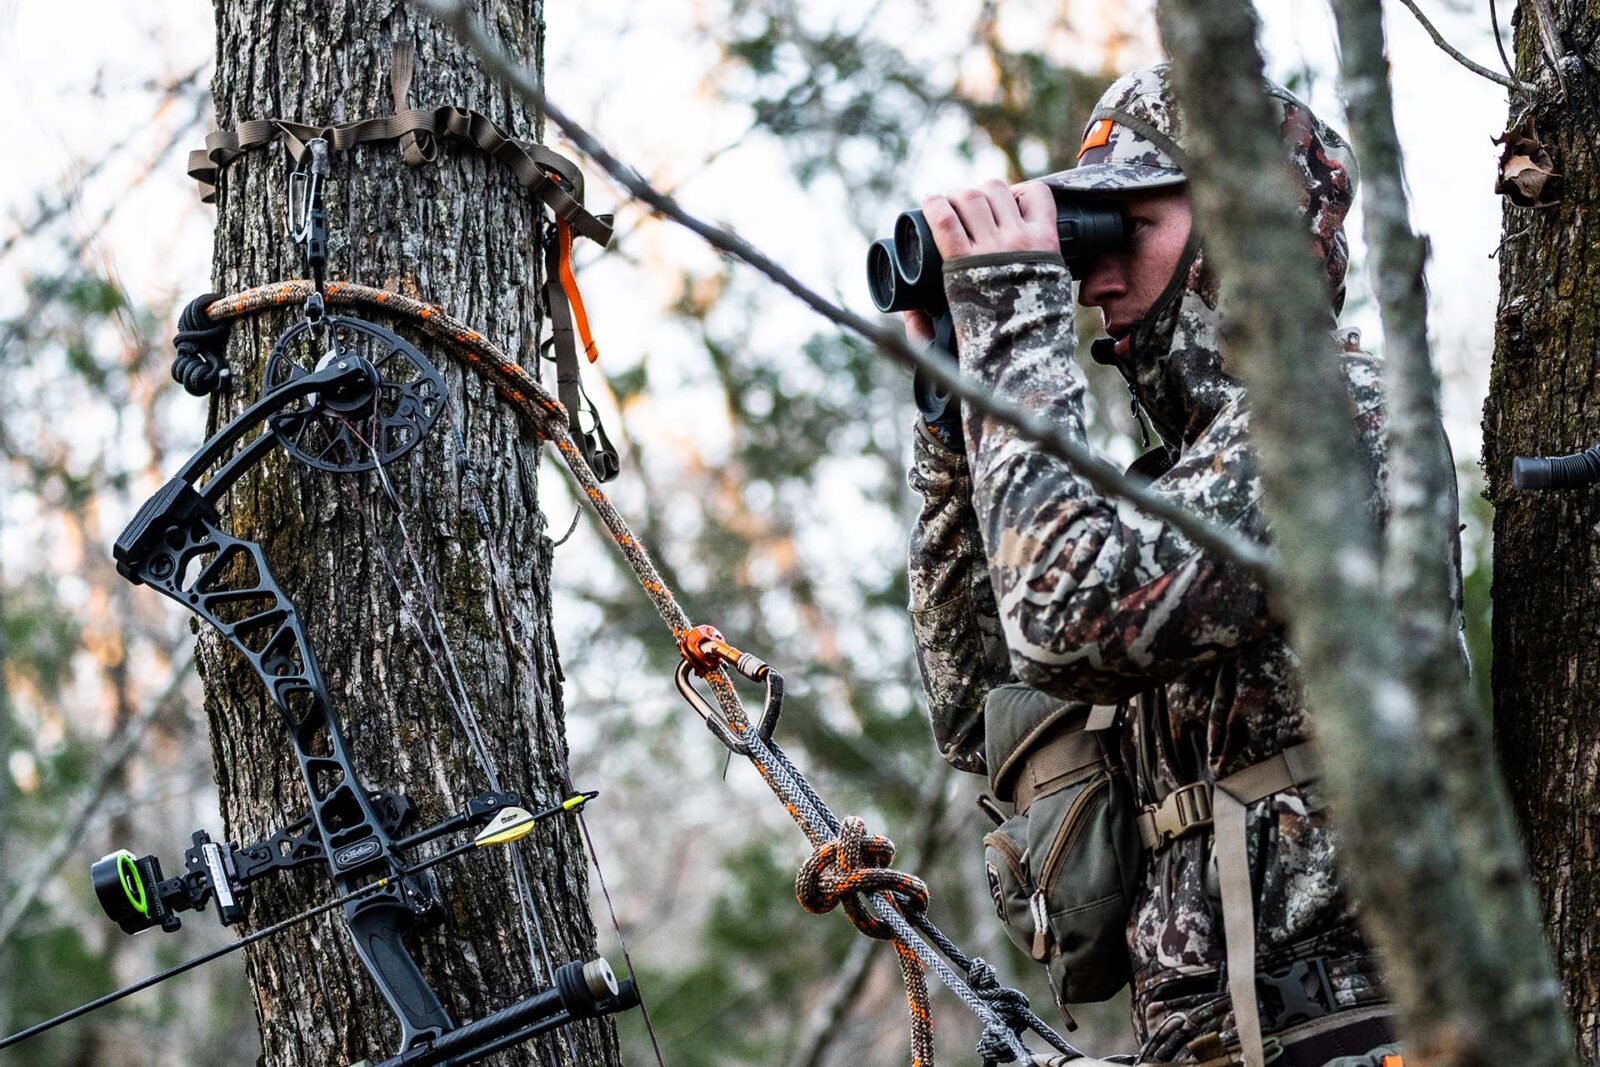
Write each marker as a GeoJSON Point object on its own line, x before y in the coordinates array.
{"type": "Point", "coordinates": [1063, 870]}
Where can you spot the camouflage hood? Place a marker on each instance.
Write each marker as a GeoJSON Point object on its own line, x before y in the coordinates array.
{"type": "Point", "coordinates": [1134, 142]}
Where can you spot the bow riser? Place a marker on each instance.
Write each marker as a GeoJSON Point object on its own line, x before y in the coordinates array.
{"type": "Point", "coordinates": [176, 546]}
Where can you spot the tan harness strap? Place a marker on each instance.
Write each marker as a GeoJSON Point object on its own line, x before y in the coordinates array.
{"type": "Point", "coordinates": [1230, 802]}
{"type": "Point", "coordinates": [1102, 717]}
{"type": "Point", "coordinates": [1065, 760]}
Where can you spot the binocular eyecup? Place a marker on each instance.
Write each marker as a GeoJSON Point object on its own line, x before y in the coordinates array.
{"type": "Point", "coordinates": [906, 273]}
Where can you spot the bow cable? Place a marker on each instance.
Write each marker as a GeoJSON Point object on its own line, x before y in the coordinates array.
{"type": "Point", "coordinates": [460, 700]}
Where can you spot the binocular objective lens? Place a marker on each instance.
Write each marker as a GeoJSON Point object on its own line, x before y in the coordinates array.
{"type": "Point", "coordinates": [910, 240]}
{"type": "Point", "coordinates": [882, 279]}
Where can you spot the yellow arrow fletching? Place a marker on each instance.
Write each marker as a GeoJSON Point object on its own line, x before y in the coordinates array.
{"type": "Point", "coordinates": [509, 824]}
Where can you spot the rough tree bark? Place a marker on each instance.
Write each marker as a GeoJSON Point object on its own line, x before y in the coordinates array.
{"type": "Point", "coordinates": [1402, 848]}
{"type": "Point", "coordinates": [459, 233]}
{"type": "Point", "coordinates": [1546, 598]}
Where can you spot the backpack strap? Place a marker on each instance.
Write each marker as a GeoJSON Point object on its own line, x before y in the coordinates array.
{"type": "Point", "coordinates": [1066, 759]}
{"type": "Point", "coordinates": [1231, 799]}
{"type": "Point", "coordinates": [1221, 807]}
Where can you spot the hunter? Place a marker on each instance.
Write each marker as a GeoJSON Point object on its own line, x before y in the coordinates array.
{"type": "Point", "coordinates": [1132, 698]}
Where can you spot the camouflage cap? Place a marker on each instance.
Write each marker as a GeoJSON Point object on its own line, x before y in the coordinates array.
{"type": "Point", "coordinates": [1131, 140]}
{"type": "Point", "coordinates": [1134, 140]}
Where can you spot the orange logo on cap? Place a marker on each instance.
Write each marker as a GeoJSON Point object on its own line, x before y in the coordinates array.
{"type": "Point", "coordinates": [1099, 134]}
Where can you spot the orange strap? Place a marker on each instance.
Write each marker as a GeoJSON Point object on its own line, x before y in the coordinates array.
{"type": "Point", "coordinates": [569, 284]}
{"type": "Point", "coordinates": [1393, 1061]}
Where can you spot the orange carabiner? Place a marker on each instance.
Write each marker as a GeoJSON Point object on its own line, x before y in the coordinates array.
{"type": "Point", "coordinates": [706, 650]}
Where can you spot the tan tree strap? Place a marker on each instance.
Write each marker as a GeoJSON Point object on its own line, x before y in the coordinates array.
{"type": "Point", "coordinates": [413, 150]}
{"type": "Point", "coordinates": [418, 130]}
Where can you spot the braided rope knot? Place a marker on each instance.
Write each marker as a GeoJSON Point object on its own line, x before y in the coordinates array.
{"type": "Point", "coordinates": [1010, 1007]}
{"type": "Point", "coordinates": [856, 862]}
{"type": "Point", "coordinates": [201, 362]}
{"type": "Point", "coordinates": [837, 874]}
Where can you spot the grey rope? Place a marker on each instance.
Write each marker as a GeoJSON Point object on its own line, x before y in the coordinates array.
{"type": "Point", "coordinates": [1000, 1040]}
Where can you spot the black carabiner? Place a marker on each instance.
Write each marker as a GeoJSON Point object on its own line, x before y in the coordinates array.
{"type": "Point", "coordinates": [753, 669]}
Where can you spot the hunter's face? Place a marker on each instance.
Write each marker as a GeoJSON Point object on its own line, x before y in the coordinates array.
{"type": "Point", "coordinates": [1124, 284]}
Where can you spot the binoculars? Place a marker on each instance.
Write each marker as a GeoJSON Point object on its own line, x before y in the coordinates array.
{"type": "Point", "coordinates": [906, 273]}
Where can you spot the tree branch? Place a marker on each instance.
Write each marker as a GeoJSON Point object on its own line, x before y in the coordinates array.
{"type": "Point", "coordinates": [1423, 557]}
{"type": "Point", "coordinates": [1401, 847]}
{"type": "Point", "coordinates": [1250, 556]}
{"type": "Point", "coordinates": [1484, 72]}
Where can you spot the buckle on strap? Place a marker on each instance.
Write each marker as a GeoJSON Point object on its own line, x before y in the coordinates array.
{"type": "Point", "coordinates": [1295, 994]}
{"type": "Point", "coordinates": [1184, 811]}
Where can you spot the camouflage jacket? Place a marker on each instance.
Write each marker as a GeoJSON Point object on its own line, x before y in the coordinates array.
{"type": "Point", "coordinates": [1021, 570]}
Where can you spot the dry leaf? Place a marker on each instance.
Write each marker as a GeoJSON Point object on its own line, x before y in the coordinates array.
{"type": "Point", "coordinates": [1527, 173]}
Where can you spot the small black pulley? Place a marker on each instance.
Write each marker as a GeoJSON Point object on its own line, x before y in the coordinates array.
{"type": "Point", "coordinates": [377, 418]}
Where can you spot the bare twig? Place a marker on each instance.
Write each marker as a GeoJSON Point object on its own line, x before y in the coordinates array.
{"type": "Point", "coordinates": [1500, 45]}
{"type": "Point", "coordinates": [1250, 556]}
{"type": "Point", "coordinates": [50, 289]}
{"type": "Point", "coordinates": [48, 213]}
{"type": "Point", "coordinates": [77, 821]}
{"type": "Point", "coordinates": [1499, 79]}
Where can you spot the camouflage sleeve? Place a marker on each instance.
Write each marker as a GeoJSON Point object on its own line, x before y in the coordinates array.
{"type": "Point", "coordinates": [1097, 600]}
{"type": "Point", "coordinates": [954, 623]}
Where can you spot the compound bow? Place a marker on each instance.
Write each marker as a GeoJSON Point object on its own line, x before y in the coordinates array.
{"type": "Point", "coordinates": [340, 395]}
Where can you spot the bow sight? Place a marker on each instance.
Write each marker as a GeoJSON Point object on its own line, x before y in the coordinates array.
{"type": "Point", "coordinates": [906, 273]}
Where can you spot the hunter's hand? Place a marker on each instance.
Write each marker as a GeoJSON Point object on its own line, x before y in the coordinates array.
{"type": "Point", "coordinates": [994, 217]}
{"type": "Point", "coordinates": [919, 328]}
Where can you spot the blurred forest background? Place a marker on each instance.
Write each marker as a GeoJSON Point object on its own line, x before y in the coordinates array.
{"type": "Point", "coordinates": [764, 460]}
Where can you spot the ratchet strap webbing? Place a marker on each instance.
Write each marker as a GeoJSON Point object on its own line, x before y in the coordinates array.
{"type": "Point", "coordinates": [550, 177]}
{"type": "Point", "coordinates": [568, 323]}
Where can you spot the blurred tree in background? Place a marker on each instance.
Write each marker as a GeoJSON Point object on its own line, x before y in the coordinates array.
{"type": "Point", "coordinates": [100, 741]}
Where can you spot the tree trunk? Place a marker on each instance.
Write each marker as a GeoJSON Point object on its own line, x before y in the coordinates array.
{"type": "Point", "coordinates": [459, 233]}
{"type": "Point", "coordinates": [1461, 999]}
{"type": "Point", "coordinates": [1546, 598]}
